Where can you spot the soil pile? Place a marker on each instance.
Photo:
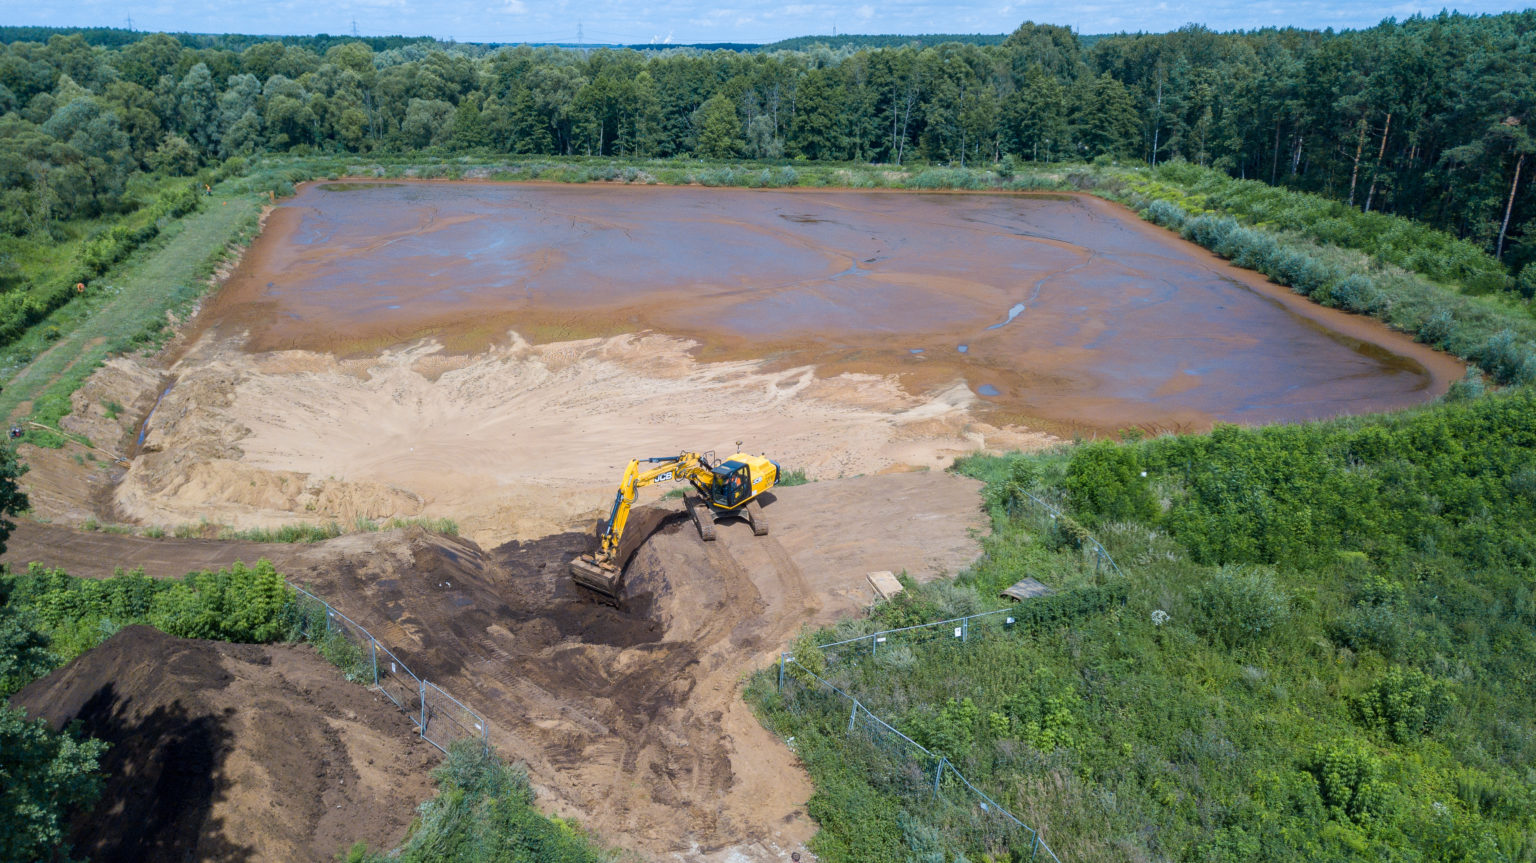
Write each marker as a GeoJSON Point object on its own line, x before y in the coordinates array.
{"type": "Point", "coordinates": [629, 718]}
{"type": "Point", "coordinates": [231, 752]}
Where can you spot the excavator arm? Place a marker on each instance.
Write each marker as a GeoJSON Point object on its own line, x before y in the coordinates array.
{"type": "Point", "coordinates": [725, 490]}
{"type": "Point", "coordinates": [667, 468]}
{"type": "Point", "coordinates": [603, 570]}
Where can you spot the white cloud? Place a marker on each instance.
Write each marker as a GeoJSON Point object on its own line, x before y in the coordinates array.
{"type": "Point", "coordinates": [515, 7]}
{"type": "Point", "coordinates": [864, 13]}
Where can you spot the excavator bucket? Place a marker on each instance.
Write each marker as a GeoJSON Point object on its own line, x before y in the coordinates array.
{"type": "Point", "coordinates": [604, 579]}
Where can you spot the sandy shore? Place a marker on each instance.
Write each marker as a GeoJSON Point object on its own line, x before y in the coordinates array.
{"type": "Point", "coordinates": [517, 442]}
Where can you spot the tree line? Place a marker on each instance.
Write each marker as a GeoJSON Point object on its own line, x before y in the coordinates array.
{"type": "Point", "coordinates": [1427, 118]}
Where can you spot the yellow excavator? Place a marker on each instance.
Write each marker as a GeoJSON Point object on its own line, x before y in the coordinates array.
{"type": "Point", "coordinates": [726, 489]}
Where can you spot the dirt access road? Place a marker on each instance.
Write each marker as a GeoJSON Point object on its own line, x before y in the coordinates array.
{"type": "Point", "coordinates": [629, 719]}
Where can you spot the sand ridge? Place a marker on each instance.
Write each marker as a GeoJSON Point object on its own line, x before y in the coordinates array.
{"type": "Point", "coordinates": [516, 442]}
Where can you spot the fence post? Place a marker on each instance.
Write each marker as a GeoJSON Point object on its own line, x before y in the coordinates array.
{"type": "Point", "coordinates": [423, 708]}
{"type": "Point", "coordinates": [1034, 847]}
{"type": "Point", "coordinates": [873, 640]}
{"type": "Point", "coordinates": [938, 774]}
{"type": "Point", "coordinates": [783, 660]}
{"type": "Point", "coordinates": [852, 715]}
{"type": "Point", "coordinates": [328, 613]}
{"type": "Point", "coordinates": [375, 643]}
{"type": "Point", "coordinates": [965, 630]}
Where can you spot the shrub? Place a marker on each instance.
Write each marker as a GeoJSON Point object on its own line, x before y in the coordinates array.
{"type": "Point", "coordinates": [1436, 329]}
{"type": "Point", "coordinates": [793, 477]}
{"type": "Point", "coordinates": [1239, 605]}
{"type": "Point", "coordinates": [483, 812]}
{"type": "Point", "coordinates": [47, 774]}
{"type": "Point", "coordinates": [241, 603]}
{"type": "Point", "coordinates": [1107, 482]}
{"type": "Point", "coordinates": [1404, 704]}
{"type": "Point", "coordinates": [1509, 360]}
{"type": "Point", "coordinates": [1346, 776]}
{"type": "Point", "coordinates": [1526, 284]}
{"type": "Point", "coordinates": [1356, 293]}
{"type": "Point", "coordinates": [1167, 214]}
{"type": "Point", "coordinates": [1067, 532]}
{"type": "Point", "coordinates": [949, 731]}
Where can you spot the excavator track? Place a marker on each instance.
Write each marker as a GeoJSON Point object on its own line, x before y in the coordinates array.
{"type": "Point", "coordinates": [703, 518]}
{"type": "Point", "coordinates": [756, 518]}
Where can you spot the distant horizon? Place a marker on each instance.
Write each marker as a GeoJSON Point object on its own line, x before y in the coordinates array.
{"type": "Point", "coordinates": [606, 22]}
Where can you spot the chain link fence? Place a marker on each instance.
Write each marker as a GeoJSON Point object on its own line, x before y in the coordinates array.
{"type": "Point", "coordinates": [440, 718]}
{"type": "Point", "coordinates": [1050, 519]}
{"type": "Point", "coordinates": [960, 630]}
{"type": "Point", "coordinates": [898, 765]}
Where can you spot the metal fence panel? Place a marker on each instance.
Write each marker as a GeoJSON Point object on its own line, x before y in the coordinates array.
{"type": "Point", "coordinates": [445, 719]}
{"type": "Point", "coordinates": [440, 718]}
{"type": "Point", "coordinates": [898, 765]}
{"type": "Point", "coordinates": [396, 681]}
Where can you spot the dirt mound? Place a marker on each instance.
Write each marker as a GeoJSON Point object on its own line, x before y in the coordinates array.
{"type": "Point", "coordinates": [629, 718]}
{"type": "Point", "coordinates": [232, 752]}
{"type": "Point", "coordinates": [517, 442]}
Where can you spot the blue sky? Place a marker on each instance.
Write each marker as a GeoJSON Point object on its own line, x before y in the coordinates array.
{"type": "Point", "coordinates": [702, 20]}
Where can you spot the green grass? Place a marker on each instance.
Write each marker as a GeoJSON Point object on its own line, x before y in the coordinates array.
{"type": "Point", "coordinates": [676, 172]}
{"type": "Point", "coordinates": [285, 533]}
{"type": "Point", "coordinates": [793, 477]}
{"type": "Point", "coordinates": [318, 532]}
{"type": "Point", "coordinates": [484, 812]}
{"type": "Point", "coordinates": [1325, 652]}
{"type": "Point", "coordinates": [126, 310]}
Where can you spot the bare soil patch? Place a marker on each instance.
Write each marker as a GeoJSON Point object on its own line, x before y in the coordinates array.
{"type": "Point", "coordinates": [233, 752]}
{"type": "Point", "coordinates": [629, 718]}
{"type": "Point", "coordinates": [517, 442]}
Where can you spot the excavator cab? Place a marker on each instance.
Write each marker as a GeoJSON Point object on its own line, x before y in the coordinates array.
{"type": "Point", "coordinates": [732, 486]}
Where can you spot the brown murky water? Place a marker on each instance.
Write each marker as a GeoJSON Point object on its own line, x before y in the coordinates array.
{"type": "Point", "coordinates": [1057, 310]}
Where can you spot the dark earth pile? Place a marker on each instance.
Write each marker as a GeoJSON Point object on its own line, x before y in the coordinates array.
{"type": "Point", "coordinates": [233, 752]}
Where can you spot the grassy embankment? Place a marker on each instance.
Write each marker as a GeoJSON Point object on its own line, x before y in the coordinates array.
{"type": "Point", "coordinates": [1342, 665]}
{"type": "Point", "coordinates": [124, 310]}
{"type": "Point", "coordinates": [483, 810]}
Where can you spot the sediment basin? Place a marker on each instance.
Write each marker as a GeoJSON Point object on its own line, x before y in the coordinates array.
{"type": "Point", "coordinates": [1061, 311]}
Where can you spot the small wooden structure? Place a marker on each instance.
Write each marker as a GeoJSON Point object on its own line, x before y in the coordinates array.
{"type": "Point", "coordinates": [885, 584]}
{"type": "Point", "coordinates": [1026, 588]}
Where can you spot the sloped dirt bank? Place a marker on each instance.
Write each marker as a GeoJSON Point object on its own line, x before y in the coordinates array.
{"type": "Point", "coordinates": [629, 718]}
{"type": "Point", "coordinates": [233, 752]}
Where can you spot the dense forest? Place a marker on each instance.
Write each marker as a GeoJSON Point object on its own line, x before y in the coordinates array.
{"type": "Point", "coordinates": [1427, 118]}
